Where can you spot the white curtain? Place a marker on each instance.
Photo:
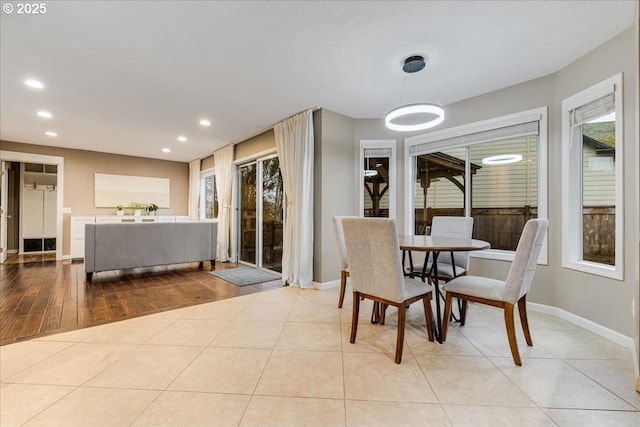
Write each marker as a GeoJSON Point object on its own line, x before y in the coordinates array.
{"type": "Point", "coordinates": [194, 190]}
{"type": "Point", "coordinates": [224, 170]}
{"type": "Point", "coordinates": [294, 141]}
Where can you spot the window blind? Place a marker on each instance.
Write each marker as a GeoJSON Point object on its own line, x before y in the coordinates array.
{"type": "Point", "coordinates": [502, 133]}
{"type": "Point", "coordinates": [592, 110]}
{"type": "Point", "coordinates": [377, 152]}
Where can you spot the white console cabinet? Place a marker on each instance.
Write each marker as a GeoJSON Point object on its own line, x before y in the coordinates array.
{"type": "Point", "coordinates": [77, 234]}
{"type": "Point", "coordinates": [78, 222]}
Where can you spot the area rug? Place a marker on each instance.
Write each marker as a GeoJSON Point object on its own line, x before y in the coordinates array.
{"type": "Point", "coordinates": [242, 276]}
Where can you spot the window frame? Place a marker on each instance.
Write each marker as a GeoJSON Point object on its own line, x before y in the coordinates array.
{"type": "Point", "coordinates": [572, 206]}
{"type": "Point", "coordinates": [203, 204]}
{"type": "Point", "coordinates": [393, 182]}
{"type": "Point", "coordinates": [438, 142]}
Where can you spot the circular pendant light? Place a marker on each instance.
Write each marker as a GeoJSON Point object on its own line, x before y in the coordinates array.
{"type": "Point", "coordinates": [414, 117]}
{"type": "Point", "coordinates": [434, 112]}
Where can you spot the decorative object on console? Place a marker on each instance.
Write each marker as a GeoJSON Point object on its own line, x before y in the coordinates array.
{"type": "Point", "coordinates": [119, 210]}
{"type": "Point", "coordinates": [137, 208]}
{"type": "Point", "coordinates": [152, 208]}
{"type": "Point", "coordinates": [111, 190]}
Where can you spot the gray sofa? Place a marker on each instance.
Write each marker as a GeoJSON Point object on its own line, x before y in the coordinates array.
{"type": "Point", "coordinates": [119, 246]}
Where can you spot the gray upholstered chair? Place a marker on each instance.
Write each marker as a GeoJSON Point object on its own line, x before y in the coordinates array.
{"type": "Point", "coordinates": [375, 270]}
{"type": "Point", "coordinates": [342, 256]}
{"type": "Point", "coordinates": [452, 264]}
{"type": "Point", "coordinates": [503, 294]}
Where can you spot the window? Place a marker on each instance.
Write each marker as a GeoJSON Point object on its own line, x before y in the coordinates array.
{"type": "Point", "coordinates": [592, 203]}
{"type": "Point", "coordinates": [494, 171]}
{"type": "Point", "coordinates": [378, 178]}
{"type": "Point", "coordinates": [438, 186]}
{"type": "Point", "coordinates": [209, 205]}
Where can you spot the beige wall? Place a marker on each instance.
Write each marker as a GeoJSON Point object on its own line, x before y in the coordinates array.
{"type": "Point", "coordinates": [604, 301]}
{"type": "Point", "coordinates": [334, 192]}
{"type": "Point", "coordinates": [80, 166]}
{"type": "Point", "coordinates": [247, 149]}
{"type": "Point", "coordinates": [258, 144]}
{"type": "Point", "coordinates": [206, 163]}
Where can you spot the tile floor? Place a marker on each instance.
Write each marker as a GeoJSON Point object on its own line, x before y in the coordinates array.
{"type": "Point", "coordinates": [283, 358]}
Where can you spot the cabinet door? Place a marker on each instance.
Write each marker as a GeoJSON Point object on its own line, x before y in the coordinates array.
{"type": "Point", "coordinates": [113, 219]}
{"type": "Point", "coordinates": [77, 234]}
{"type": "Point", "coordinates": [32, 214]}
{"type": "Point", "coordinates": [50, 213]}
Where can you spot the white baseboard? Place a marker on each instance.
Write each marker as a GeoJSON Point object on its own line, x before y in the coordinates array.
{"type": "Point", "coordinates": [590, 326]}
{"type": "Point", "coordinates": [587, 324]}
{"type": "Point", "coordinates": [326, 285]}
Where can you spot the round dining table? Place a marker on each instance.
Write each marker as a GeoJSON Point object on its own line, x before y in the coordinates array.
{"type": "Point", "coordinates": [434, 246]}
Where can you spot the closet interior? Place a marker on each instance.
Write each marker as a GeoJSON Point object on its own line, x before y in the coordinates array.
{"type": "Point", "coordinates": [38, 206]}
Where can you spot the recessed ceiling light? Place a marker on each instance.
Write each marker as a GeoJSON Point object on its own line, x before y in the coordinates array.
{"type": "Point", "coordinates": [36, 84]}
{"type": "Point", "coordinates": [166, 150]}
{"type": "Point", "coordinates": [44, 114]}
{"type": "Point", "coordinates": [205, 122]}
{"type": "Point", "coordinates": [51, 133]}
{"type": "Point", "coordinates": [182, 138]}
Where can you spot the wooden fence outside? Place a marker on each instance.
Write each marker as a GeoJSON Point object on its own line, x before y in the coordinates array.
{"type": "Point", "coordinates": [502, 228]}
{"type": "Point", "coordinates": [599, 235]}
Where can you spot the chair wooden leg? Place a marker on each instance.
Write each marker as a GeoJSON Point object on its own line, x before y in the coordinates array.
{"type": "Point", "coordinates": [383, 312]}
{"type": "Point", "coordinates": [463, 312]}
{"type": "Point", "coordinates": [511, 333]}
{"type": "Point", "coordinates": [375, 312]}
{"type": "Point", "coordinates": [343, 285]}
{"type": "Point", "coordinates": [428, 315]}
{"type": "Point", "coordinates": [400, 339]}
{"type": "Point", "coordinates": [522, 309]}
{"type": "Point", "coordinates": [354, 316]}
{"type": "Point", "coordinates": [447, 315]}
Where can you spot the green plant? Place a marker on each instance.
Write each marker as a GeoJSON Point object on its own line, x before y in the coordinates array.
{"type": "Point", "coordinates": [137, 206]}
{"type": "Point", "coordinates": [152, 207]}
{"type": "Point", "coordinates": [119, 207]}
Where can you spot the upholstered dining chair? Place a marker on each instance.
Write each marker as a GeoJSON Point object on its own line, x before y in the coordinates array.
{"type": "Point", "coordinates": [375, 271]}
{"type": "Point", "coordinates": [503, 294]}
{"type": "Point", "coordinates": [342, 255]}
{"type": "Point", "coordinates": [452, 264]}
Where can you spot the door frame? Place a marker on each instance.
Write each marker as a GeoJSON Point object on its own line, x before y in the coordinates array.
{"type": "Point", "coordinates": [257, 159]}
{"type": "Point", "coordinates": [15, 156]}
{"type": "Point", "coordinates": [4, 203]}
{"type": "Point", "coordinates": [238, 210]}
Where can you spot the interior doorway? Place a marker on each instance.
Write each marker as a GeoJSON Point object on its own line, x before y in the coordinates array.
{"type": "Point", "coordinates": [51, 190]}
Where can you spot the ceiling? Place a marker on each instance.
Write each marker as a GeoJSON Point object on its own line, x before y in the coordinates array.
{"type": "Point", "coordinates": [130, 77]}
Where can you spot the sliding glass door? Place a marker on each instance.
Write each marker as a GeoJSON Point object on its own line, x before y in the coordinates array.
{"type": "Point", "coordinates": [260, 214]}
{"type": "Point", "coordinates": [247, 213]}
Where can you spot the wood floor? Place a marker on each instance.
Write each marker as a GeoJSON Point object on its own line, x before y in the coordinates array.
{"type": "Point", "coordinates": [40, 296]}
